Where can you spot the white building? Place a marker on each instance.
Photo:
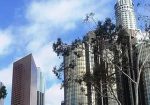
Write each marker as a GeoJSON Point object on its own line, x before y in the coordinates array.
{"type": "Point", "coordinates": [125, 16]}
{"type": "Point", "coordinates": [124, 11]}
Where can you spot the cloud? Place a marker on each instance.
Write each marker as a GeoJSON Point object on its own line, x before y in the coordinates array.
{"type": "Point", "coordinates": [6, 41]}
{"type": "Point", "coordinates": [54, 95]}
{"type": "Point", "coordinates": [45, 17]}
{"type": "Point", "coordinates": [6, 76]}
{"type": "Point", "coordinates": [63, 13]}
{"type": "Point", "coordinates": [55, 11]}
{"type": "Point", "coordinates": [47, 59]}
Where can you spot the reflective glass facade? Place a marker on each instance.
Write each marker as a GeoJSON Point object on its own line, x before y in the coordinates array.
{"type": "Point", "coordinates": [73, 90]}
{"type": "Point", "coordinates": [40, 88]}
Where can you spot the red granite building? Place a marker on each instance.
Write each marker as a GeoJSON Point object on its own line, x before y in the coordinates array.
{"type": "Point", "coordinates": [24, 84]}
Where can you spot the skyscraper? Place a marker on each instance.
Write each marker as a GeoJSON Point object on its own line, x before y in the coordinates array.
{"type": "Point", "coordinates": [89, 58]}
{"type": "Point", "coordinates": [145, 51]}
{"type": "Point", "coordinates": [73, 91]}
{"type": "Point", "coordinates": [79, 93]}
{"type": "Point", "coordinates": [125, 15]}
{"type": "Point", "coordinates": [1, 100]}
{"type": "Point", "coordinates": [24, 83]}
{"type": "Point", "coordinates": [40, 87]}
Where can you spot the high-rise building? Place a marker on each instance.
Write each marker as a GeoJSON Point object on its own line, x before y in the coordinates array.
{"type": "Point", "coordinates": [102, 95]}
{"type": "Point", "coordinates": [125, 16]}
{"type": "Point", "coordinates": [144, 57]}
{"type": "Point", "coordinates": [40, 87]}
{"type": "Point", "coordinates": [89, 58]}
{"type": "Point", "coordinates": [1, 100]}
{"type": "Point", "coordinates": [24, 83]}
{"type": "Point", "coordinates": [75, 93]}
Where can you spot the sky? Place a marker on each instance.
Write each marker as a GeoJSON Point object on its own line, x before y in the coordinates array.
{"type": "Point", "coordinates": [32, 26]}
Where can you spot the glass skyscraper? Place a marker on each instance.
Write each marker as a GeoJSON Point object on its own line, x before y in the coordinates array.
{"type": "Point", "coordinates": [73, 90]}
{"type": "Point", "coordinates": [75, 93]}
{"type": "Point", "coordinates": [40, 87]}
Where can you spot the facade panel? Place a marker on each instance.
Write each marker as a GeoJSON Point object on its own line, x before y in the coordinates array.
{"type": "Point", "coordinates": [73, 91]}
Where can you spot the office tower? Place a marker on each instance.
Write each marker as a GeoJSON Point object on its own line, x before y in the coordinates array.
{"type": "Point", "coordinates": [1, 100]}
{"type": "Point", "coordinates": [96, 93]}
{"type": "Point", "coordinates": [145, 51]}
{"type": "Point", "coordinates": [89, 59]}
{"type": "Point", "coordinates": [100, 59]}
{"type": "Point", "coordinates": [75, 93]}
{"type": "Point", "coordinates": [40, 87]}
{"type": "Point", "coordinates": [24, 83]}
{"type": "Point", "coordinates": [125, 15]}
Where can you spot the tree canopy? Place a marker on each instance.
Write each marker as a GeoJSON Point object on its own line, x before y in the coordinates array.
{"type": "Point", "coordinates": [3, 92]}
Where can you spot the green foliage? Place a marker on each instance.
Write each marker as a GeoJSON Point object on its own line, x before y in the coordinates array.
{"type": "Point", "coordinates": [106, 29]}
{"type": "Point", "coordinates": [3, 92]}
{"type": "Point", "coordinates": [61, 48]}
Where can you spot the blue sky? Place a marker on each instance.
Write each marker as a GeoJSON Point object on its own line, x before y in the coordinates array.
{"type": "Point", "coordinates": [31, 26]}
